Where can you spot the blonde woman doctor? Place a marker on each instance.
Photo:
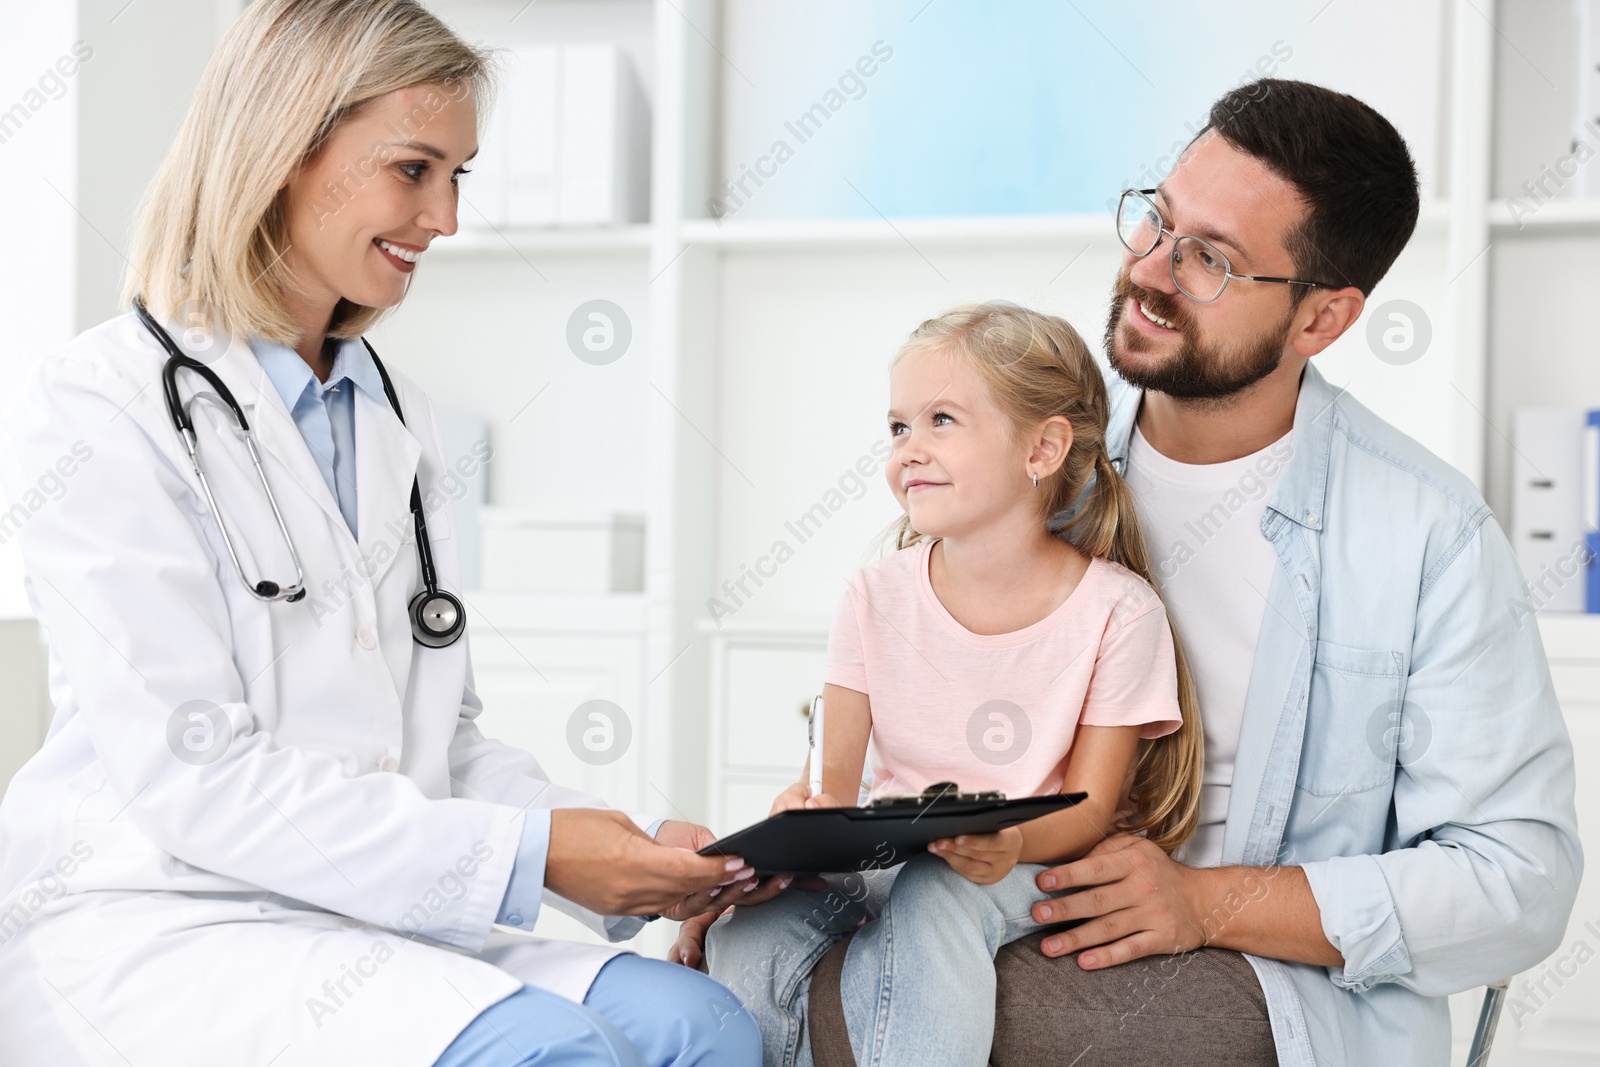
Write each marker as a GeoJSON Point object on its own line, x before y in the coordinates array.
{"type": "Point", "coordinates": [263, 830]}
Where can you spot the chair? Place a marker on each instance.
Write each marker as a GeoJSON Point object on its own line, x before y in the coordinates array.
{"type": "Point", "coordinates": [1494, 998]}
{"type": "Point", "coordinates": [831, 1046]}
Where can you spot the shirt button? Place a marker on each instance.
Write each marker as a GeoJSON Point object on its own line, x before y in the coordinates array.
{"type": "Point", "coordinates": [365, 639]}
{"type": "Point", "coordinates": [1311, 517]}
{"type": "Point", "coordinates": [388, 764]}
{"type": "Point", "coordinates": [514, 919]}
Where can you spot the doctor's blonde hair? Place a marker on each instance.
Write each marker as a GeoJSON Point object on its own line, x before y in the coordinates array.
{"type": "Point", "coordinates": [1035, 366]}
{"type": "Point", "coordinates": [209, 243]}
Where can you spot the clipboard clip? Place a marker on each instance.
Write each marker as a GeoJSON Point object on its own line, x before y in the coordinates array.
{"type": "Point", "coordinates": [948, 792]}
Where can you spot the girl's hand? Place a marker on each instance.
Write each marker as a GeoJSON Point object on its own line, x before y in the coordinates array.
{"type": "Point", "coordinates": [799, 796]}
{"type": "Point", "coordinates": [981, 858]}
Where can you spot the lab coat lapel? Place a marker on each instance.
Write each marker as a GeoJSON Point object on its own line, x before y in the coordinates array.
{"type": "Point", "coordinates": [386, 463]}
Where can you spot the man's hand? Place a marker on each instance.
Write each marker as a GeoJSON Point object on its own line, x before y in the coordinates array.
{"type": "Point", "coordinates": [690, 948]}
{"type": "Point", "coordinates": [1141, 902]}
{"type": "Point", "coordinates": [601, 860]}
{"type": "Point", "coordinates": [981, 858]}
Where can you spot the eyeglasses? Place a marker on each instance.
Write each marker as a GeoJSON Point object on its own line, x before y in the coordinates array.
{"type": "Point", "coordinates": [1199, 269]}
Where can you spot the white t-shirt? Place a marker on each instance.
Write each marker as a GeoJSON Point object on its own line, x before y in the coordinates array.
{"type": "Point", "coordinates": [1202, 526]}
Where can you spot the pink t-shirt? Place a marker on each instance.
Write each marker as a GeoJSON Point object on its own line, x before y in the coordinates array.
{"type": "Point", "coordinates": [997, 711]}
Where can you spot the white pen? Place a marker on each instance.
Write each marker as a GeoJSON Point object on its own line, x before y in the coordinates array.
{"type": "Point", "coordinates": [814, 736]}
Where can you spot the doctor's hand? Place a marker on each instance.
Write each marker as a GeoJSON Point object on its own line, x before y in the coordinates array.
{"type": "Point", "coordinates": [598, 858]}
{"type": "Point", "coordinates": [744, 889]}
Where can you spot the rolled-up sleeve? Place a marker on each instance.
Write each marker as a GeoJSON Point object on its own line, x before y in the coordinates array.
{"type": "Point", "coordinates": [1486, 861]}
{"type": "Point", "coordinates": [1359, 919]}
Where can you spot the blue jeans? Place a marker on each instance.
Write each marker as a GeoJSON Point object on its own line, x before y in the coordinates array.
{"type": "Point", "coordinates": [638, 1013]}
{"type": "Point", "coordinates": [918, 982]}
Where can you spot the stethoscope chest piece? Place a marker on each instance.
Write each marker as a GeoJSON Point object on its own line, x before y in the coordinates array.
{"type": "Point", "coordinates": [437, 618]}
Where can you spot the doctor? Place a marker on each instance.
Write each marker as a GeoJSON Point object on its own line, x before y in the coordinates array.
{"type": "Point", "coordinates": [265, 828]}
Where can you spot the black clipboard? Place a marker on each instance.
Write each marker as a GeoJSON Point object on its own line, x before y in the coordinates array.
{"type": "Point", "coordinates": [835, 840]}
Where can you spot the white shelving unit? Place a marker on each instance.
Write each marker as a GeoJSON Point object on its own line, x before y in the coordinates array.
{"type": "Point", "coordinates": [628, 240]}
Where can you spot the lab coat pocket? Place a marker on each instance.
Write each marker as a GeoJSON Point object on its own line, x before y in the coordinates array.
{"type": "Point", "coordinates": [1349, 745]}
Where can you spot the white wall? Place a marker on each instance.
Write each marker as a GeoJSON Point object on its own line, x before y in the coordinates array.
{"type": "Point", "coordinates": [38, 182]}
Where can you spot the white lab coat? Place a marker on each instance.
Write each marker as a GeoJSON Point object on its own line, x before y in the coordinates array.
{"type": "Point", "coordinates": [321, 893]}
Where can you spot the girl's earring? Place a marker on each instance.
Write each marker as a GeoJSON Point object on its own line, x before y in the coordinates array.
{"type": "Point", "coordinates": [1036, 479]}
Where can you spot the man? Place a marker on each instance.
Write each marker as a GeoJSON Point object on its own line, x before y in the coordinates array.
{"type": "Point", "coordinates": [1388, 811]}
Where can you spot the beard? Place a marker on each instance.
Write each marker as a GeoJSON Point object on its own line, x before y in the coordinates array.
{"type": "Point", "coordinates": [1196, 371]}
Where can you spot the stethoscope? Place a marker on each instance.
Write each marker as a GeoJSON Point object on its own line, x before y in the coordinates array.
{"type": "Point", "coordinates": [437, 617]}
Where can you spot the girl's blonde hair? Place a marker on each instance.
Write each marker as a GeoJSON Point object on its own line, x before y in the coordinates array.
{"type": "Point", "coordinates": [1035, 366]}
{"type": "Point", "coordinates": [212, 232]}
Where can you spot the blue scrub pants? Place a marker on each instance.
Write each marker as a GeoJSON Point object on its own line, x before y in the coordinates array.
{"type": "Point", "coordinates": [638, 1013]}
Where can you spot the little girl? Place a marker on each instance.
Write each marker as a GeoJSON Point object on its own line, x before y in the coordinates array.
{"type": "Point", "coordinates": [995, 649]}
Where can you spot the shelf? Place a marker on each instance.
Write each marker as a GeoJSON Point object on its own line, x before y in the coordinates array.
{"type": "Point", "coordinates": [969, 233]}
{"type": "Point", "coordinates": [513, 240]}
{"type": "Point", "coordinates": [1553, 217]}
{"type": "Point", "coordinates": [998, 231]}
{"type": "Point", "coordinates": [974, 233]}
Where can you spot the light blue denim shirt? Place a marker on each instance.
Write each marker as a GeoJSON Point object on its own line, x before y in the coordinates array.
{"type": "Point", "coordinates": [1401, 741]}
{"type": "Point", "coordinates": [324, 412]}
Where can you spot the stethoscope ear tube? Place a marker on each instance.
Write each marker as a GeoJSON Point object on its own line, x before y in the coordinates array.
{"type": "Point", "coordinates": [437, 617]}
{"type": "Point", "coordinates": [176, 360]}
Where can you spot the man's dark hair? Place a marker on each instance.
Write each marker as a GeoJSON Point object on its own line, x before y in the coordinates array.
{"type": "Point", "coordinates": [1349, 164]}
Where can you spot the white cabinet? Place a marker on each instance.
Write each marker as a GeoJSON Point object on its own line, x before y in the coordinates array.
{"type": "Point", "coordinates": [563, 677]}
{"type": "Point", "coordinates": [1552, 1012]}
{"type": "Point", "coordinates": [763, 679]}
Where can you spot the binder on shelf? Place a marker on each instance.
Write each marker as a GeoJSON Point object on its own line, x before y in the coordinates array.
{"type": "Point", "coordinates": [1547, 506]}
{"type": "Point", "coordinates": [483, 192]}
{"type": "Point", "coordinates": [531, 104]}
{"type": "Point", "coordinates": [568, 143]}
{"type": "Point", "coordinates": [1591, 510]}
{"type": "Point", "coordinates": [605, 139]}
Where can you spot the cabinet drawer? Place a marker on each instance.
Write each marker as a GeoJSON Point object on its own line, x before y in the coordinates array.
{"type": "Point", "coordinates": [767, 689]}
{"type": "Point", "coordinates": [746, 800]}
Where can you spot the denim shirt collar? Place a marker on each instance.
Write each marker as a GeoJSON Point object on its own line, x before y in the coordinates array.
{"type": "Point", "coordinates": [1302, 489]}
